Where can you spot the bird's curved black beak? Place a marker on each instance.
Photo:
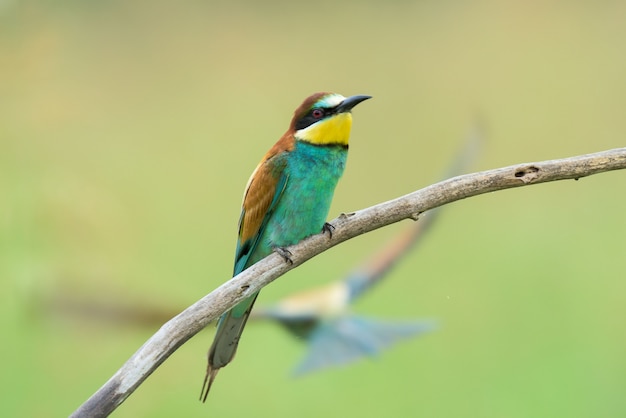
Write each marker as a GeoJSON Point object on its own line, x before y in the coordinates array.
{"type": "Point", "coordinates": [350, 102]}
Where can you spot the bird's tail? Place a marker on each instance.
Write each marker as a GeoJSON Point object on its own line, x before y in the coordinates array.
{"type": "Point", "coordinates": [208, 381]}
{"type": "Point", "coordinates": [224, 347]}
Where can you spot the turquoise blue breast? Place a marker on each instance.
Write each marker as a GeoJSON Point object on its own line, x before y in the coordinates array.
{"type": "Point", "coordinates": [303, 207]}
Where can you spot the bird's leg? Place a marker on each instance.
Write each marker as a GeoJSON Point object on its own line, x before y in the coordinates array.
{"type": "Point", "coordinates": [328, 228]}
{"type": "Point", "coordinates": [284, 253]}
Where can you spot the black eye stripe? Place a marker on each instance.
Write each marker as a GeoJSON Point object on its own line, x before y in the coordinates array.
{"type": "Point", "coordinates": [308, 119]}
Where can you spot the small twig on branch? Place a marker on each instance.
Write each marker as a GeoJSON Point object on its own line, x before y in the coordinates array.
{"type": "Point", "coordinates": [193, 319]}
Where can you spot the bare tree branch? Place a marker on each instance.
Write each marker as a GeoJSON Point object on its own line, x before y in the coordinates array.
{"type": "Point", "coordinates": [193, 319]}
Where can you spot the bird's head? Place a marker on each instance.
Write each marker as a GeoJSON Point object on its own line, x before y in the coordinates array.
{"type": "Point", "coordinates": [325, 119]}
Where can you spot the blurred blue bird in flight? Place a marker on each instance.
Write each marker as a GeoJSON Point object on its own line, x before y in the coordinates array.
{"type": "Point", "coordinates": [333, 335]}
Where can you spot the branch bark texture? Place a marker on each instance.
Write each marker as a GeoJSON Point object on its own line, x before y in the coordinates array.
{"type": "Point", "coordinates": [193, 319]}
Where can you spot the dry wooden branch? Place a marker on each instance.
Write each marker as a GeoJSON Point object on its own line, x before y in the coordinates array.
{"type": "Point", "coordinates": [193, 319]}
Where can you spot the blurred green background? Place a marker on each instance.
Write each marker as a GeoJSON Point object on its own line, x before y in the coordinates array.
{"type": "Point", "coordinates": [128, 131]}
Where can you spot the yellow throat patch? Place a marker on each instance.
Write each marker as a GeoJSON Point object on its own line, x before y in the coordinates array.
{"type": "Point", "coordinates": [333, 130]}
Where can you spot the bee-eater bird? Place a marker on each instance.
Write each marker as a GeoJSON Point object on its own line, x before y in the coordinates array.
{"type": "Point", "coordinates": [287, 199]}
{"type": "Point", "coordinates": [321, 317]}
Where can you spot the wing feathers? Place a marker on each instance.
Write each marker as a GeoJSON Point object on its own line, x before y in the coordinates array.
{"type": "Point", "coordinates": [263, 191]}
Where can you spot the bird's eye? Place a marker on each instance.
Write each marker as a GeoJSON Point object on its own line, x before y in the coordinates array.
{"type": "Point", "coordinates": [317, 113]}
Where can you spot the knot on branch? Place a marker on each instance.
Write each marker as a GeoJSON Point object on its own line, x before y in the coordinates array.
{"type": "Point", "coordinates": [527, 174]}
